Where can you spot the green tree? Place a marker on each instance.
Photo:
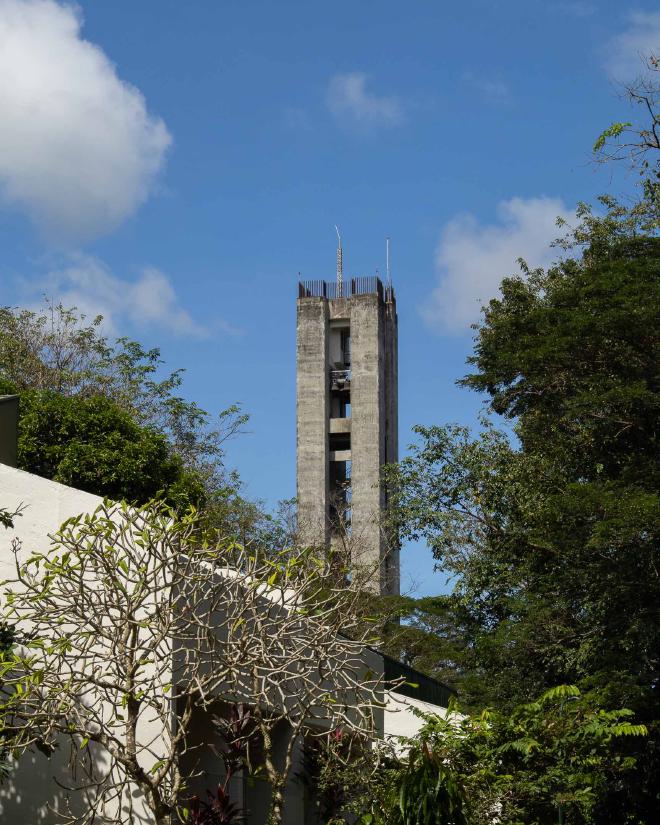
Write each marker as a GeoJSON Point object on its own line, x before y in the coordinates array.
{"type": "Point", "coordinates": [638, 142]}
{"type": "Point", "coordinates": [546, 761]}
{"type": "Point", "coordinates": [552, 531]}
{"type": "Point", "coordinates": [82, 394]}
{"type": "Point", "coordinates": [60, 350]}
{"type": "Point", "coordinates": [93, 444]}
{"type": "Point", "coordinates": [429, 634]}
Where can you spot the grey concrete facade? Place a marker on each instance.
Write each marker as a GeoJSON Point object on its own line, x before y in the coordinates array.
{"type": "Point", "coordinates": [347, 418]}
{"type": "Point", "coordinates": [312, 420]}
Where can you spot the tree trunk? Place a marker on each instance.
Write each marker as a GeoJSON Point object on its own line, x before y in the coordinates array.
{"type": "Point", "coordinates": [162, 813]}
{"type": "Point", "coordinates": [276, 805]}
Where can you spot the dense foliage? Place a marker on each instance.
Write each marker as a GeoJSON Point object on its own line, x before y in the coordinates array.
{"type": "Point", "coordinates": [98, 414]}
{"type": "Point", "coordinates": [93, 444]}
{"type": "Point", "coordinates": [552, 533]}
{"type": "Point", "coordinates": [61, 351]}
{"type": "Point", "coordinates": [547, 760]}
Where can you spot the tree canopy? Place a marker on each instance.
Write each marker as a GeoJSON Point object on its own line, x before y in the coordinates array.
{"type": "Point", "coordinates": [61, 351]}
{"type": "Point", "coordinates": [548, 760]}
{"type": "Point", "coordinates": [93, 444]}
{"type": "Point", "coordinates": [551, 530]}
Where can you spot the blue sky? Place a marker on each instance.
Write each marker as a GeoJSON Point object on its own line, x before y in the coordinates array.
{"type": "Point", "coordinates": [175, 165]}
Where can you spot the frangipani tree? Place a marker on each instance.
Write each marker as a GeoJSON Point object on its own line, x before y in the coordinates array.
{"type": "Point", "coordinates": [138, 624]}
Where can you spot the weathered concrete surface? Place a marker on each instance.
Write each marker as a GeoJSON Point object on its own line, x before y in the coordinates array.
{"type": "Point", "coordinates": [339, 425]}
{"type": "Point", "coordinates": [312, 414]}
{"type": "Point", "coordinates": [390, 542]}
{"type": "Point", "coordinates": [368, 428]}
{"type": "Point", "coordinates": [373, 425]}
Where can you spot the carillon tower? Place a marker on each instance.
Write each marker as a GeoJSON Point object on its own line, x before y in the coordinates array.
{"type": "Point", "coordinates": [347, 416]}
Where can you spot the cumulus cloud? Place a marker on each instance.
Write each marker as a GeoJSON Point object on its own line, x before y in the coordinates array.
{"type": "Point", "coordinates": [149, 300]}
{"type": "Point", "coordinates": [350, 101]}
{"type": "Point", "coordinates": [78, 149]}
{"type": "Point", "coordinates": [473, 258]}
{"type": "Point", "coordinates": [627, 51]}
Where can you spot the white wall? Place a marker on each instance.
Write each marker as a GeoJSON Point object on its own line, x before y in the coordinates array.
{"type": "Point", "coordinates": [400, 721]}
{"type": "Point", "coordinates": [26, 797]}
{"type": "Point", "coordinates": [31, 796]}
{"type": "Point", "coordinates": [47, 505]}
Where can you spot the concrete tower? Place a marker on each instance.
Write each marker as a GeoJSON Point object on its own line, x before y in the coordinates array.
{"type": "Point", "coordinates": [347, 417]}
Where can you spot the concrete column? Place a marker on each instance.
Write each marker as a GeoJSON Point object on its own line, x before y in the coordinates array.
{"type": "Point", "coordinates": [312, 413]}
{"type": "Point", "coordinates": [373, 424]}
{"type": "Point", "coordinates": [390, 542]}
{"type": "Point", "coordinates": [367, 428]}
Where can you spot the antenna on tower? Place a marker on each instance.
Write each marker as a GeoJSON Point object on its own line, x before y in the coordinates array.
{"type": "Point", "coordinates": [388, 270]}
{"type": "Point", "coordinates": [340, 264]}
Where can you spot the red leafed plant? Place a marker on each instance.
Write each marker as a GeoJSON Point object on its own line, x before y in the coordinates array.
{"type": "Point", "coordinates": [236, 732]}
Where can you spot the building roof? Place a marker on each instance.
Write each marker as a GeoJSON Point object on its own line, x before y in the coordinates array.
{"type": "Point", "coordinates": [416, 685]}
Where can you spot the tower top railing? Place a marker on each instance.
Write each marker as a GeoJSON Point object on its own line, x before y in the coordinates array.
{"type": "Point", "coordinates": [363, 285]}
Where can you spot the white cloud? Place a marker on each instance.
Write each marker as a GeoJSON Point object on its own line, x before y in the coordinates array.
{"type": "Point", "coordinates": [627, 51]}
{"type": "Point", "coordinates": [472, 259]}
{"type": "Point", "coordinates": [78, 149]}
{"type": "Point", "coordinates": [349, 100]}
{"type": "Point", "coordinates": [150, 300]}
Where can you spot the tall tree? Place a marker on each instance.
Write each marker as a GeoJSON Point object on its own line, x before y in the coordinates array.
{"type": "Point", "coordinates": [554, 534]}
{"type": "Point", "coordinates": [60, 350]}
{"type": "Point", "coordinates": [93, 444]}
{"type": "Point", "coordinates": [101, 415]}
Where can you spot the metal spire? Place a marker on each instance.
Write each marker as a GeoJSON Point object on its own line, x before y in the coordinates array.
{"type": "Point", "coordinates": [340, 264]}
{"type": "Point", "coordinates": [388, 270]}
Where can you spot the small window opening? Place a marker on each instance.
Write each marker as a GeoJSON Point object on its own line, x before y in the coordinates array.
{"type": "Point", "coordinates": [340, 496]}
{"type": "Point", "coordinates": [346, 347]}
{"type": "Point", "coordinates": [340, 405]}
{"type": "Point", "coordinates": [340, 441]}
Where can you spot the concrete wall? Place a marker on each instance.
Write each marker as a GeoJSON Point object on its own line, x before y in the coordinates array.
{"type": "Point", "coordinates": [46, 505]}
{"type": "Point", "coordinates": [312, 414]}
{"type": "Point", "coordinates": [32, 794]}
{"type": "Point", "coordinates": [373, 424]}
{"type": "Point", "coordinates": [374, 432]}
{"type": "Point", "coordinates": [367, 427]}
{"type": "Point", "coordinates": [390, 542]}
{"type": "Point", "coordinates": [335, 353]}
{"type": "Point", "coordinates": [400, 720]}
{"type": "Point", "coordinates": [36, 790]}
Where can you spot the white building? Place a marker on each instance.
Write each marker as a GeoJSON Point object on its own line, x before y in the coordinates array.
{"type": "Point", "coordinates": [39, 782]}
